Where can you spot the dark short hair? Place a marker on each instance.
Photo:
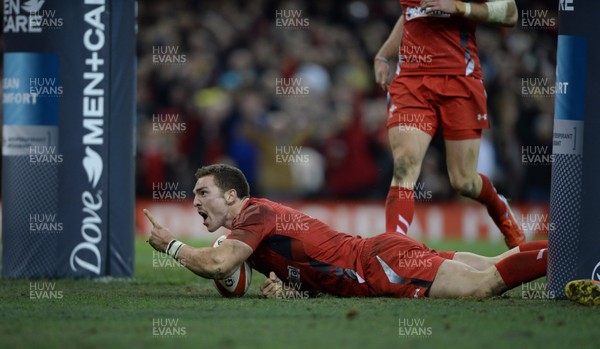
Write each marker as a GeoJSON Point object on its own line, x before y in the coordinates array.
{"type": "Point", "coordinates": [226, 177]}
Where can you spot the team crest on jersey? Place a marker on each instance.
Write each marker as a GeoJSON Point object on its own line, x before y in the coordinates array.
{"type": "Point", "coordinates": [417, 12]}
{"type": "Point", "coordinates": [293, 274]}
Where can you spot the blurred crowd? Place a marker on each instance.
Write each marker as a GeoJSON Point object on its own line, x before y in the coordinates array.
{"type": "Point", "coordinates": [285, 91]}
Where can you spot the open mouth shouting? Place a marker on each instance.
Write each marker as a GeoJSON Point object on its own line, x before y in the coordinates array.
{"type": "Point", "coordinates": [204, 216]}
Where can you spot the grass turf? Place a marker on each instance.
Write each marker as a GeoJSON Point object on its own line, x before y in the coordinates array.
{"type": "Point", "coordinates": [124, 313]}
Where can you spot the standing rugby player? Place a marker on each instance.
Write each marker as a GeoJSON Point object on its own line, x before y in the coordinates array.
{"type": "Point", "coordinates": [438, 84]}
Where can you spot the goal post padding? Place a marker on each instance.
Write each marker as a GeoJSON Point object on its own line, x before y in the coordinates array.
{"type": "Point", "coordinates": [68, 138]}
{"type": "Point", "coordinates": [574, 240]}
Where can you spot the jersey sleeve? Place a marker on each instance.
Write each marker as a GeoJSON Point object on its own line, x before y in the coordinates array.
{"type": "Point", "coordinates": [254, 224]}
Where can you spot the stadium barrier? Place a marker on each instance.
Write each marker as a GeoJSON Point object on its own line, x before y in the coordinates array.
{"type": "Point", "coordinates": [432, 222]}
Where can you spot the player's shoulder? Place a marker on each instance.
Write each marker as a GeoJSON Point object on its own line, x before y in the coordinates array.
{"type": "Point", "coordinates": [261, 205]}
{"type": "Point", "coordinates": [255, 209]}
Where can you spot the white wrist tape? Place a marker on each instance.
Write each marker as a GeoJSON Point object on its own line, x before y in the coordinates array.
{"type": "Point", "coordinates": [467, 10]}
{"type": "Point", "coordinates": [497, 11]}
{"type": "Point", "coordinates": [381, 58]}
{"type": "Point", "coordinates": [174, 247]}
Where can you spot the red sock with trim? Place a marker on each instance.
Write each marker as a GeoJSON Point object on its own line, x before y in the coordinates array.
{"type": "Point", "coordinates": [489, 197]}
{"type": "Point", "coordinates": [523, 267]}
{"type": "Point", "coordinates": [533, 245]}
{"type": "Point", "coordinates": [399, 209]}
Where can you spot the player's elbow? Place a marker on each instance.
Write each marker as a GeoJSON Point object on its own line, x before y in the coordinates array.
{"type": "Point", "coordinates": [221, 268]}
{"type": "Point", "coordinates": [208, 265]}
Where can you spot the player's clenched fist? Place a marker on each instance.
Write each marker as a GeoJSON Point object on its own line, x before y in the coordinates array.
{"type": "Point", "coordinates": [159, 236]}
{"type": "Point", "coordinates": [272, 287]}
{"type": "Point", "coordinates": [382, 73]}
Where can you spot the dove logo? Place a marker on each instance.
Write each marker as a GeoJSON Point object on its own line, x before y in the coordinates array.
{"type": "Point", "coordinates": [86, 255]}
{"type": "Point", "coordinates": [92, 235]}
{"type": "Point", "coordinates": [22, 18]}
{"type": "Point", "coordinates": [92, 163]}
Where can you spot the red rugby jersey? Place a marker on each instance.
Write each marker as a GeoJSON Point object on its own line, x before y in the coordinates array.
{"type": "Point", "coordinates": [437, 44]}
{"type": "Point", "coordinates": [302, 251]}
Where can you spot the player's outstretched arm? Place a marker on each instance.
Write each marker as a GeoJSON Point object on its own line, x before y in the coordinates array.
{"type": "Point", "coordinates": [388, 50]}
{"type": "Point", "coordinates": [211, 263]}
{"type": "Point", "coordinates": [499, 12]}
{"type": "Point", "coordinates": [215, 263]}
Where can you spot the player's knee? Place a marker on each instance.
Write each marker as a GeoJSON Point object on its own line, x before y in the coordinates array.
{"type": "Point", "coordinates": [404, 167]}
{"type": "Point", "coordinates": [483, 291]}
{"type": "Point", "coordinates": [463, 185]}
{"type": "Point", "coordinates": [487, 284]}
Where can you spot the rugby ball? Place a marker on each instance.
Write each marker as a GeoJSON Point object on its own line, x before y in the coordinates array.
{"type": "Point", "coordinates": [237, 284]}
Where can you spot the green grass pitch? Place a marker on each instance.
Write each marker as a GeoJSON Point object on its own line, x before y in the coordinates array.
{"type": "Point", "coordinates": [166, 306]}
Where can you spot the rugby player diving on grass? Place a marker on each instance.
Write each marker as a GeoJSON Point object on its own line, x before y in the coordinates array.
{"type": "Point", "coordinates": [310, 254]}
